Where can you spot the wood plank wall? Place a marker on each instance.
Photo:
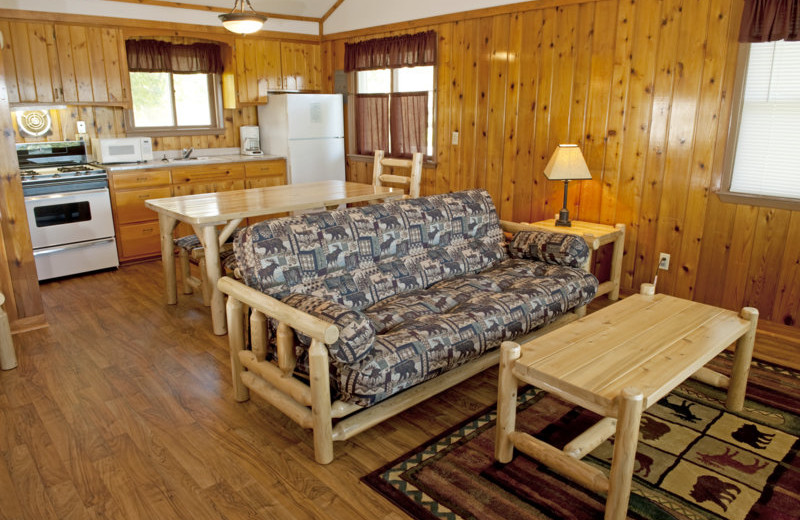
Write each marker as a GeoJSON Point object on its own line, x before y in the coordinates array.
{"type": "Point", "coordinates": [644, 88]}
{"type": "Point", "coordinates": [110, 122]}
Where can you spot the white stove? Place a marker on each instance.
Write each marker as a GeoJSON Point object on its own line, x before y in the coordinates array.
{"type": "Point", "coordinates": [68, 207]}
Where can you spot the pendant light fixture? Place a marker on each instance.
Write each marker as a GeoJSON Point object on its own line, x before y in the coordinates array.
{"type": "Point", "coordinates": [242, 22]}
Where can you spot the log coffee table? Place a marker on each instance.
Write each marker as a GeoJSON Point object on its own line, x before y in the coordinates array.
{"type": "Point", "coordinates": [617, 362]}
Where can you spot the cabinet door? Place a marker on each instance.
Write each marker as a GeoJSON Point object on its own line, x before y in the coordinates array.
{"type": "Point", "coordinates": [130, 204]}
{"type": "Point", "coordinates": [31, 63]}
{"type": "Point", "coordinates": [301, 66]}
{"type": "Point", "coordinates": [258, 69]}
{"type": "Point", "coordinates": [92, 65]}
{"type": "Point", "coordinates": [139, 240]}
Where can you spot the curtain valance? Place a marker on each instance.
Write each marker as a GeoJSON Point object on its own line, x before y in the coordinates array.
{"type": "Point", "coordinates": [407, 50]}
{"type": "Point", "coordinates": [770, 20]}
{"type": "Point", "coordinates": [159, 56]}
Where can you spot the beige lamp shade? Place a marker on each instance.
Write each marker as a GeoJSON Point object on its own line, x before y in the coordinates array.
{"type": "Point", "coordinates": [567, 164]}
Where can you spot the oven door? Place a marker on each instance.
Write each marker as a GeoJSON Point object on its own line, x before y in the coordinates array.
{"type": "Point", "coordinates": [66, 218]}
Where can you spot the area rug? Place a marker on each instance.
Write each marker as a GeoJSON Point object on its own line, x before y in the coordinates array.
{"type": "Point", "coordinates": [695, 459]}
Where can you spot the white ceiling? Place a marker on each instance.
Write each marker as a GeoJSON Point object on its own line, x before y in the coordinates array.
{"type": "Point", "coordinates": [350, 15]}
{"type": "Point", "coordinates": [311, 8]}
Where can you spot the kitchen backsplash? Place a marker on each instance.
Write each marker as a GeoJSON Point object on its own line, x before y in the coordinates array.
{"type": "Point", "coordinates": [109, 122]}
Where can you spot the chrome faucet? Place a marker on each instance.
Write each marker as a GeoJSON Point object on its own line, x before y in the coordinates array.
{"type": "Point", "coordinates": [187, 152]}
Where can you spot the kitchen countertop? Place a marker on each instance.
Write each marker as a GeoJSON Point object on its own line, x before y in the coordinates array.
{"type": "Point", "coordinates": [202, 160]}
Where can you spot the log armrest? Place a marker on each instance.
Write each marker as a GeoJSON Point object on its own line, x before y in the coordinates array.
{"type": "Point", "coordinates": [311, 326]}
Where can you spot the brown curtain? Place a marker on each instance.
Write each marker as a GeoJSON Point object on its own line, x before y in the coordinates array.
{"type": "Point", "coordinates": [159, 56]}
{"type": "Point", "coordinates": [770, 20]}
{"type": "Point", "coordinates": [409, 123]}
{"type": "Point", "coordinates": [408, 50]}
{"type": "Point", "coordinates": [372, 124]}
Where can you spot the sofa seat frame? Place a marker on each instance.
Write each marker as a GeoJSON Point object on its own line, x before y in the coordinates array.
{"type": "Point", "coordinates": [310, 405]}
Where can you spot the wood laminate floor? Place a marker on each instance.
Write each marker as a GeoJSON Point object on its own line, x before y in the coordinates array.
{"type": "Point", "coordinates": [122, 409]}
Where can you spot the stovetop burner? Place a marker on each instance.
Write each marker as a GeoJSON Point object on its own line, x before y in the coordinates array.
{"type": "Point", "coordinates": [67, 169]}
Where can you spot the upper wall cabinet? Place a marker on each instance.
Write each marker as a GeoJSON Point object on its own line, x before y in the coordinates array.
{"type": "Point", "coordinates": [264, 66]}
{"type": "Point", "coordinates": [258, 69]}
{"type": "Point", "coordinates": [300, 65]}
{"type": "Point", "coordinates": [71, 64]}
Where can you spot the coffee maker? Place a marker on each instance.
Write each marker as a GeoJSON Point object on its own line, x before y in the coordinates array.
{"type": "Point", "coordinates": [250, 140]}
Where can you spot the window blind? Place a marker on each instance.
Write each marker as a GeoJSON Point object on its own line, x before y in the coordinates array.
{"type": "Point", "coordinates": [767, 159]}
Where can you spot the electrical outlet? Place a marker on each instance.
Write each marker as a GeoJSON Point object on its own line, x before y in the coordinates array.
{"type": "Point", "coordinates": [454, 140]}
{"type": "Point", "coordinates": [663, 261]}
{"type": "Point", "coordinates": [81, 127]}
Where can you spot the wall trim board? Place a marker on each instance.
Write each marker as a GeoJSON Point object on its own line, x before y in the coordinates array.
{"type": "Point", "coordinates": [214, 9]}
{"type": "Point", "coordinates": [169, 28]}
{"type": "Point", "coordinates": [455, 17]}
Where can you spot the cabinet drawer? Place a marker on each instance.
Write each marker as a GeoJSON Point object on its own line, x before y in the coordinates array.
{"type": "Point", "coordinates": [265, 182]}
{"type": "Point", "coordinates": [209, 172]}
{"type": "Point", "coordinates": [130, 204]}
{"type": "Point", "coordinates": [266, 169]}
{"type": "Point", "coordinates": [140, 179]}
{"type": "Point", "coordinates": [138, 240]}
{"type": "Point", "coordinates": [208, 187]}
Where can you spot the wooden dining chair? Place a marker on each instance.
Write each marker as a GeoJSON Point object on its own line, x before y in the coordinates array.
{"type": "Point", "coordinates": [412, 181]}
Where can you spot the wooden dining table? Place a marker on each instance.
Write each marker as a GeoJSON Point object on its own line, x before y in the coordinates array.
{"type": "Point", "coordinates": [207, 212]}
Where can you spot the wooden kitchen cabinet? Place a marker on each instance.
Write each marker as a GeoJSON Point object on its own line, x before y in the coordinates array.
{"type": "Point", "coordinates": [258, 69]}
{"type": "Point", "coordinates": [264, 66]}
{"type": "Point", "coordinates": [137, 227]}
{"type": "Point", "coordinates": [301, 66]}
{"type": "Point", "coordinates": [31, 62]}
{"type": "Point", "coordinates": [60, 63]}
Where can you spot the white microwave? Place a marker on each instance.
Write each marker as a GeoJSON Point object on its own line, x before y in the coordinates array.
{"type": "Point", "coordinates": [122, 149]}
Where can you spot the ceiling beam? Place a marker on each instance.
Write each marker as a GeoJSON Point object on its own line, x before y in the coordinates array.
{"type": "Point", "coordinates": [331, 10]}
{"type": "Point", "coordinates": [213, 9]}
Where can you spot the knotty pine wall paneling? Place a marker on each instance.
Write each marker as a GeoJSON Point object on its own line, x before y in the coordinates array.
{"type": "Point", "coordinates": [644, 88]}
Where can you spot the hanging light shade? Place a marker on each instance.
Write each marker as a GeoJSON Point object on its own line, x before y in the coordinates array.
{"type": "Point", "coordinates": [241, 21]}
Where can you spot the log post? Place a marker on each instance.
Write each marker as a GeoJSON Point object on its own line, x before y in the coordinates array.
{"type": "Point", "coordinates": [235, 344]}
{"type": "Point", "coordinates": [741, 362]}
{"type": "Point", "coordinates": [631, 402]}
{"type": "Point", "coordinates": [506, 401]}
{"type": "Point", "coordinates": [258, 334]}
{"type": "Point", "coordinates": [321, 402]}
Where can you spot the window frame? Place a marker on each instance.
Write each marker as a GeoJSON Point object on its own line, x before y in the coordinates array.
{"type": "Point", "coordinates": [217, 126]}
{"type": "Point", "coordinates": [427, 159]}
{"type": "Point", "coordinates": [737, 102]}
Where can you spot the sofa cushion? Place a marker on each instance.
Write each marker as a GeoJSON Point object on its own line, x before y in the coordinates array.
{"type": "Point", "coordinates": [360, 256]}
{"type": "Point", "coordinates": [423, 333]}
{"type": "Point", "coordinates": [550, 247]}
{"type": "Point", "coordinates": [356, 331]}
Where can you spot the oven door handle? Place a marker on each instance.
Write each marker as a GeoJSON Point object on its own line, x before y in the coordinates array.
{"type": "Point", "coordinates": [66, 194]}
{"type": "Point", "coordinates": [60, 249]}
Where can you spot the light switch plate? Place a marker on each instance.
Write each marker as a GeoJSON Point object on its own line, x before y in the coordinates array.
{"type": "Point", "coordinates": [455, 138]}
{"type": "Point", "coordinates": [81, 127]}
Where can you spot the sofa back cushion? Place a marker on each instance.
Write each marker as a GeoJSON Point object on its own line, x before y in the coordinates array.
{"type": "Point", "coordinates": [359, 256]}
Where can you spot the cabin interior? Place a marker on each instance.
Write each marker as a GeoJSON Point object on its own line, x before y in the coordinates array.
{"type": "Point", "coordinates": [91, 426]}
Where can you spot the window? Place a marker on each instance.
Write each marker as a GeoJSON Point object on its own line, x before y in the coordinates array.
{"type": "Point", "coordinates": [165, 100]}
{"type": "Point", "coordinates": [394, 110]}
{"type": "Point", "coordinates": [175, 88]}
{"type": "Point", "coordinates": [394, 93]}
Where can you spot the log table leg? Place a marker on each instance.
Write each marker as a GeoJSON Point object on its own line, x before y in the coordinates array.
{"type": "Point", "coordinates": [631, 402]}
{"type": "Point", "coordinates": [741, 362]}
{"type": "Point", "coordinates": [506, 402]}
{"type": "Point", "coordinates": [213, 270]}
{"type": "Point", "coordinates": [166, 225]}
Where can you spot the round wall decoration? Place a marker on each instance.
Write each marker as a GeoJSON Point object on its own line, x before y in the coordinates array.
{"type": "Point", "coordinates": [34, 123]}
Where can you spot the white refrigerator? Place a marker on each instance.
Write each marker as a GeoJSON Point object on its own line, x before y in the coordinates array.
{"type": "Point", "coordinates": [308, 129]}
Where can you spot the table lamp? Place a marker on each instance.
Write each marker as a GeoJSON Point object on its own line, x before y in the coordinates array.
{"type": "Point", "coordinates": [566, 164]}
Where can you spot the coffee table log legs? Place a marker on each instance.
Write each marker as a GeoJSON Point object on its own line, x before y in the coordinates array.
{"type": "Point", "coordinates": [627, 436]}
{"type": "Point", "coordinates": [741, 362]}
{"type": "Point", "coordinates": [506, 402]}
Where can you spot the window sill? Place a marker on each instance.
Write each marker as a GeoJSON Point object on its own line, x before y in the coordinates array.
{"type": "Point", "coordinates": [759, 200]}
{"type": "Point", "coordinates": [173, 132]}
{"type": "Point", "coordinates": [426, 163]}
